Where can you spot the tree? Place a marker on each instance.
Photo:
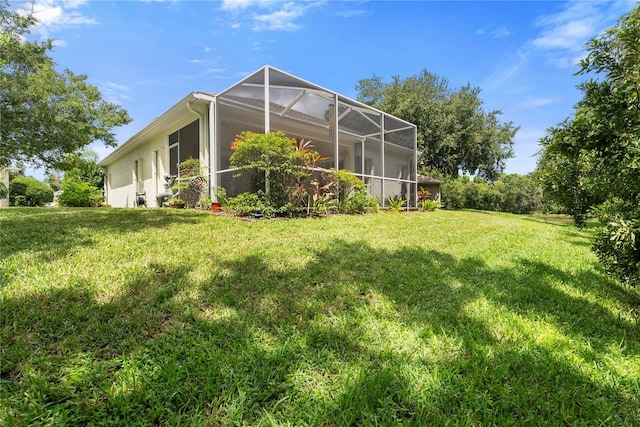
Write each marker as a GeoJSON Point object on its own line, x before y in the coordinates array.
{"type": "Point", "coordinates": [44, 113]}
{"type": "Point", "coordinates": [591, 163]}
{"type": "Point", "coordinates": [83, 181]}
{"type": "Point", "coordinates": [83, 167]}
{"type": "Point", "coordinates": [455, 134]}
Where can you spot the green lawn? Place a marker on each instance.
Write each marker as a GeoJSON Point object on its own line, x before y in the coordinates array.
{"type": "Point", "coordinates": [168, 317]}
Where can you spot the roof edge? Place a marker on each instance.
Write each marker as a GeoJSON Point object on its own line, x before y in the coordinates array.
{"type": "Point", "coordinates": [154, 124]}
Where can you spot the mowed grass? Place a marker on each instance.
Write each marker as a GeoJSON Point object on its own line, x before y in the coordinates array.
{"type": "Point", "coordinates": [168, 317]}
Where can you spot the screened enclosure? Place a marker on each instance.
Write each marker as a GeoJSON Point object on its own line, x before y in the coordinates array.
{"type": "Point", "coordinates": [377, 147]}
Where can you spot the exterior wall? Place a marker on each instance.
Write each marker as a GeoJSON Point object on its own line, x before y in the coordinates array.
{"type": "Point", "coordinates": [434, 189]}
{"type": "Point", "coordinates": [152, 162]}
{"type": "Point", "coordinates": [4, 178]}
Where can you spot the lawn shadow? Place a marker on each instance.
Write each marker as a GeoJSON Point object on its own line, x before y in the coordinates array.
{"type": "Point", "coordinates": [53, 233]}
{"type": "Point", "coordinates": [307, 344]}
{"type": "Point", "coordinates": [431, 291]}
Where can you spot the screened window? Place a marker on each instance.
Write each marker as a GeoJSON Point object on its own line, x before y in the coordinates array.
{"type": "Point", "coordinates": [183, 144]}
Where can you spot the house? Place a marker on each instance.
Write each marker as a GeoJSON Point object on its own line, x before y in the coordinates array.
{"type": "Point", "coordinates": [377, 147]}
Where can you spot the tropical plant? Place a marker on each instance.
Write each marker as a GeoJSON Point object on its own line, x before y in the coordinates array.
{"type": "Point", "coordinates": [396, 203]}
{"type": "Point", "coordinates": [176, 202]}
{"type": "Point", "coordinates": [429, 205]}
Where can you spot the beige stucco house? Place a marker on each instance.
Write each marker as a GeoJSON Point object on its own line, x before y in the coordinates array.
{"type": "Point", "coordinates": [377, 147]}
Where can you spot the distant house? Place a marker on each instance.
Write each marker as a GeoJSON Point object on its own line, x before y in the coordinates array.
{"type": "Point", "coordinates": [433, 186]}
{"type": "Point", "coordinates": [4, 179]}
{"type": "Point", "coordinates": [377, 147]}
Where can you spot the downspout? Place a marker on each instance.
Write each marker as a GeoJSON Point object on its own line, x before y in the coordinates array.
{"type": "Point", "coordinates": [213, 151]}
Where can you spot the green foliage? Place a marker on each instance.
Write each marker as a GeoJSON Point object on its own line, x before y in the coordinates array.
{"type": "Point", "coordinates": [359, 202]}
{"type": "Point", "coordinates": [4, 191]}
{"type": "Point", "coordinates": [177, 201]}
{"type": "Point", "coordinates": [80, 194]}
{"type": "Point", "coordinates": [591, 162]}
{"type": "Point", "coordinates": [28, 191]}
{"type": "Point", "coordinates": [429, 205]}
{"type": "Point", "coordinates": [205, 203]}
{"type": "Point", "coordinates": [510, 193]}
{"type": "Point", "coordinates": [82, 167]}
{"type": "Point", "coordinates": [285, 169]}
{"type": "Point", "coordinates": [269, 158]}
{"type": "Point", "coordinates": [45, 113]}
{"type": "Point", "coordinates": [617, 246]}
{"type": "Point", "coordinates": [454, 132]}
{"type": "Point", "coordinates": [246, 204]}
{"type": "Point", "coordinates": [396, 203]}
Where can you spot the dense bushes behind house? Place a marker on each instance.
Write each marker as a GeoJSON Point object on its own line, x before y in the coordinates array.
{"type": "Point", "coordinates": [513, 193]}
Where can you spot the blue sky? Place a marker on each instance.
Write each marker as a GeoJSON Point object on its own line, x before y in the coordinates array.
{"type": "Point", "coordinates": [147, 55]}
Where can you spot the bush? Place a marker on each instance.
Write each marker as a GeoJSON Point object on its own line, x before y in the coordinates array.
{"type": "Point", "coordinates": [617, 242]}
{"type": "Point", "coordinates": [80, 195]}
{"type": "Point", "coordinates": [4, 191]}
{"type": "Point", "coordinates": [245, 204]}
{"type": "Point", "coordinates": [28, 191]}
{"type": "Point", "coordinates": [429, 205]}
{"type": "Point", "coordinates": [360, 202]}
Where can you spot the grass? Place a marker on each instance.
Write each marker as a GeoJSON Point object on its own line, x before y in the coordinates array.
{"type": "Point", "coordinates": [169, 317]}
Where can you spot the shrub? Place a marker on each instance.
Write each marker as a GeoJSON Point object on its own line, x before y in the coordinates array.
{"type": "Point", "coordinates": [360, 202]}
{"type": "Point", "coordinates": [429, 205]}
{"type": "Point", "coordinates": [617, 242]}
{"type": "Point", "coordinates": [4, 191]}
{"type": "Point", "coordinates": [396, 203]}
{"type": "Point", "coordinates": [80, 194]}
{"type": "Point", "coordinates": [245, 204]}
{"type": "Point", "coordinates": [28, 191]}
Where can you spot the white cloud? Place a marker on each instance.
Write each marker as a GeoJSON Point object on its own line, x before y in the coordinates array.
{"type": "Point", "coordinates": [266, 15]}
{"type": "Point", "coordinates": [561, 37]}
{"type": "Point", "coordinates": [538, 102]}
{"type": "Point", "coordinates": [500, 32]}
{"type": "Point", "coordinates": [563, 34]}
{"type": "Point", "coordinates": [352, 12]}
{"type": "Point", "coordinates": [113, 92]}
{"type": "Point", "coordinates": [282, 19]}
{"type": "Point", "coordinates": [216, 70]}
{"type": "Point", "coordinates": [242, 4]}
{"type": "Point", "coordinates": [58, 14]}
{"type": "Point", "coordinates": [54, 15]}
{"type": "Point", "coordinates": [507, 70]}
{"type": "Point", "coordinates": [495, 33]}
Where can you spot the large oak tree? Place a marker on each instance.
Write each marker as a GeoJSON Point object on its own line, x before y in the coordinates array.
{"type": "Point", "coordinates": [45, 113]}
{"type": "Point", "coordinates": [455, 134]}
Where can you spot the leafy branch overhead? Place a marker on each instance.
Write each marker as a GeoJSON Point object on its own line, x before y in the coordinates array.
{"type": "Point", "coordinates": [45, 113]}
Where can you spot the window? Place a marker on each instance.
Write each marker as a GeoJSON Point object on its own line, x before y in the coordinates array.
{"type": "Point", "coordinates": [183, 144]}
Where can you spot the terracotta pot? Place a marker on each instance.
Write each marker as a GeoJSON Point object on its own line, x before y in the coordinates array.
{"type": "Point", "coordinates": [216, 207]}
